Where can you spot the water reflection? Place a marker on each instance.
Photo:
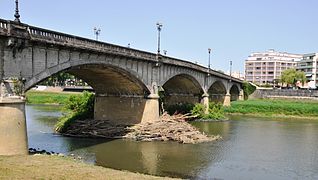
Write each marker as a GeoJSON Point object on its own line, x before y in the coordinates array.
{"type": "Point", "coordinates": [40, 125]}
{"type": "Point", "coordinates": [164, 158]}
{"type": "Point", "coordinates": [252, 148]}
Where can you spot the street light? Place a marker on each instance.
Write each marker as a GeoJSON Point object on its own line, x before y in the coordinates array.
{"type": "Point", "coordinates": [17, 15]}
{"type": "Point", "coordinates": [230, 70]}
{"type": "Point", "coordinates": [159, 27]}
{"type": "Point", "coordinates": [97, 32]}
{"type": "Point", "coordinates": [209, 50]}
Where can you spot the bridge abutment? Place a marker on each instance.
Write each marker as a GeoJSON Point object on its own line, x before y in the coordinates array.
{"type": "Point", "coordinates": [126, 110]}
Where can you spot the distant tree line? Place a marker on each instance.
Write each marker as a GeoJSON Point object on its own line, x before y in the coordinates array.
{"type": "Point", "coordinates": [63, 79]}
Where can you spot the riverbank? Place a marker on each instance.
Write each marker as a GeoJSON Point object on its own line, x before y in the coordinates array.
{"type": "Point", "coordinates": [54, 167]}
{"type": "Point", "coordinates": [47, 97]}
{"type": "Point", "coordinates": [275, 108]}
{"type": "Point", "coordinates": [257, 107]}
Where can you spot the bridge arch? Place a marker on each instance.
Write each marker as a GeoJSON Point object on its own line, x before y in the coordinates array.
{"type": "Point", "coordinates": [182, 88]}
{"type": "Point", "coordinates": [104, 78]}
{"type": "Point", "coordinates": [234, 92]}
{"type": "Point", "coordinates": [217, 92]}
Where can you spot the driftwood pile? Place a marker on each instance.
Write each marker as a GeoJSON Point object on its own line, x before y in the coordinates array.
{"type": "Point", "coordinates": [96, 128]}
{"type": "Point", "coordinates": [167, 128]}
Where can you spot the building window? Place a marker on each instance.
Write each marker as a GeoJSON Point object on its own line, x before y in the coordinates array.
{"type": "Point", "coordinates": [258, 59]}
{"type": "Point", "coordinates": [258, 67]}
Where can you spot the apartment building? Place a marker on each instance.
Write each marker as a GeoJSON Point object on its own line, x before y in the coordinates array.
{"type": "Point", "coordinates": [266, 67]}
{"type": "Point", "coordinates": [308, 64]}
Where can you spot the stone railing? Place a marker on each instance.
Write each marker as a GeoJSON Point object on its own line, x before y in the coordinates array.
{"type": "Point", "coordinates": [3, 26]}
{"type": "Point", "coordinates": [79, 42]}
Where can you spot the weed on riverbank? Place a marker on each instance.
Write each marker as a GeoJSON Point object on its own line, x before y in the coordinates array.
{"type": "Point", "coordinates": [43, 97]}
{"type": "Point", "coordinates": [271, 107]}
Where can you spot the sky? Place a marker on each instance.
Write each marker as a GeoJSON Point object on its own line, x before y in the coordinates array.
{"type": "Point", "coordinates": [233, 29]}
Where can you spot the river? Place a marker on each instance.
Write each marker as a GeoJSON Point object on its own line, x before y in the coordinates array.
{"type": "Point", "coordinates": [252, 148]}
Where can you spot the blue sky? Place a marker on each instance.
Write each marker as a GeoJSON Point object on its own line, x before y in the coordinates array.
{"type": "Point", "coordinates": [231, 28]}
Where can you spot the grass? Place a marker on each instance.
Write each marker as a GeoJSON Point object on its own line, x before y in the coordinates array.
{"type": "Point", "coordinates": [272, 107]}
{"type": "Point", "coordinates": [54, 167]}
{"type": "Point", "coordinates": [39, 97]}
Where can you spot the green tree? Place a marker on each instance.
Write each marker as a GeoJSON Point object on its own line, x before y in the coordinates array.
{"type": "Point", "coordinates": [291, 76]}
{"type": "Point", "coordinates": [248, 89]}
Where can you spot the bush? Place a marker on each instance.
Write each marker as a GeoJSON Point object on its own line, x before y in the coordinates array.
{"type": "Point", "coordinates": [77, 107]}
{"type": "Point", "coordinates": [215, 111]}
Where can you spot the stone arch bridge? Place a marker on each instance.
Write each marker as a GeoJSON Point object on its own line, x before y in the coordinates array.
{"type": "Point", "coordinates": [126, 81]}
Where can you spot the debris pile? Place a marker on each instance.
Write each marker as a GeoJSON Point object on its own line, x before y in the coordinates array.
{"type": "Point", "coordinates": [167, 128]}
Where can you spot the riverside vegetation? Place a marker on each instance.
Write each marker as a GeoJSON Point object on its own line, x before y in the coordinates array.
{"type": "Point", "coordinates": [275, 107]}
{"type": "Point", "coordinates": [43, 97]}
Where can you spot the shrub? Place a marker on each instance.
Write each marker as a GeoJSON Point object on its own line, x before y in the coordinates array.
{"type": "Point", "coordinates": [77, 107]}
{"type": "Point", "coordinates": [215, 111]}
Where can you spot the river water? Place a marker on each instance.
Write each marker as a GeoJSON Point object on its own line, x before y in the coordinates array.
{"type": "Point", "coordinates": [252, 148]}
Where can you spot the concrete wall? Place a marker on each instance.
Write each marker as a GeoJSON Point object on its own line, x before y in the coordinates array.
{"type": "Point", "coordinates": [291, 93]}
{"type": "Point", "coordinates": [13, 134]}
{"type": "Point", "coordinates": [126, 110]}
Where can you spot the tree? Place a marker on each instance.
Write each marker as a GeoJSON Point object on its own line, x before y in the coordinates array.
{"type": "Point", "coordinates": [248, 89]}
{"type": "Point", "coordinates": [291, 76]}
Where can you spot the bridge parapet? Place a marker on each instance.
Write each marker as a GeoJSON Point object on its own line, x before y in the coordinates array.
{"type": "Point", "coordinates": [3, 26]}
{"type": "Point", "coordinates": [53, 37]}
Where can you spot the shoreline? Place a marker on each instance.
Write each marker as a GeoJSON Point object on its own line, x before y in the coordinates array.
{"type": "Point", "coordinates": [283, 116]}
{"type": "Point", "coordinates": [55, 167]}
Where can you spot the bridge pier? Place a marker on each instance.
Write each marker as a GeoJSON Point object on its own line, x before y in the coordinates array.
{"type": "Point", "coordinates": [127, 109]}
{"type": "Point", "coordinates": [13, 134]}
{"type": "Point", "coordinates": [205, 102]}
{"type": "Point", "coordinates": [227, 100]}
{"type": "Point", "coordinates": [241, 96]}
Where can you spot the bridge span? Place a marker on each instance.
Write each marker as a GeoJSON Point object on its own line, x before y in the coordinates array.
{"type": "Point", "coordinates": [126, 81]}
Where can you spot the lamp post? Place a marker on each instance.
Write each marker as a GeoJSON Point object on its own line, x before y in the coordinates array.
{"type": "Point", "coordinates": [230, 68]}
{"type": "Point", "coordinates": [159, 27]}
{"type": "Point", "coordinates": [97, 32]}
{"type": "Point", "coordinates": [209, 50]}
{"type": "Point", "coordinates": [17, 15]}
